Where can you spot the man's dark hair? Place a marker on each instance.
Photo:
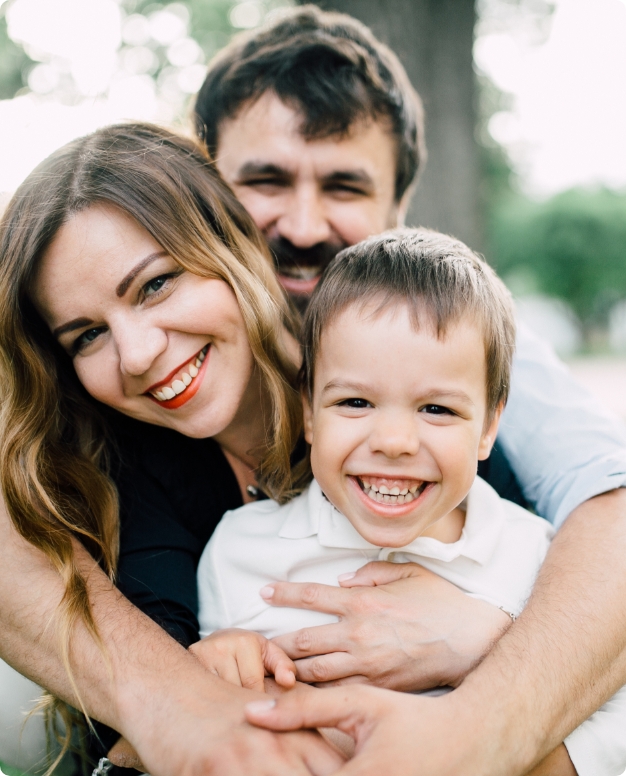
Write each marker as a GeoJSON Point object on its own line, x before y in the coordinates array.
{"type": "Point", "coordinates": [327, 66]}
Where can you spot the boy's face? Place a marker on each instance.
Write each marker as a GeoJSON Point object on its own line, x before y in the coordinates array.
{"type": "Point", "coordinates": [399, 410]}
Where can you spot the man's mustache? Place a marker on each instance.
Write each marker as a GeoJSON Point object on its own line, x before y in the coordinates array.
{"type": "Point", "coordinates": [302, 262]}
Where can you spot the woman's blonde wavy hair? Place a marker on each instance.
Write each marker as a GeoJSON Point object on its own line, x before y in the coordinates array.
{"type": "Point", "coordinates": [53, 454]}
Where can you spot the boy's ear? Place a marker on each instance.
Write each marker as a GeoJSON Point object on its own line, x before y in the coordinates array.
{"type": "Point", "coordinates": [489, 434]}
{"type": "Point", "coordinates": [307, 414]}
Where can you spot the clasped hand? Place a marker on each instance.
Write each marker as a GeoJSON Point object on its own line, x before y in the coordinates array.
{"type": "Point", "coordinates": [400, 626]}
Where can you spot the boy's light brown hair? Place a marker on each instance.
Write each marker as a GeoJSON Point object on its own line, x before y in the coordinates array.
{"type": "Point", "coordinates": [439, 279]}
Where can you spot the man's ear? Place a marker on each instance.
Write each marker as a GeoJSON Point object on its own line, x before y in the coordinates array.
{"type": "Point", "coordinates": [489, 434]}
{"type": "Point", "coordinates": [307, 413]}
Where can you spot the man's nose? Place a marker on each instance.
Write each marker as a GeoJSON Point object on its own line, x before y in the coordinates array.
{"type": "Point", "coordinates": [395, 434]}
{"type": "Point", "coordinates": [303, 221]}
{"type": "Point", "coordinates": [138, 346]}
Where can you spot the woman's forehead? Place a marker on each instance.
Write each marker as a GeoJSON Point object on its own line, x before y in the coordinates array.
{"type": "Point", "coordinates": [94, 249]}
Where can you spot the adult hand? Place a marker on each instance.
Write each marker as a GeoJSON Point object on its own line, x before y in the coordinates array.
{"type": "Point", "coordinates": [425, 736]}
{"type": "Point", "coordinates": [201, 734]}
{"type": "Point", "coordinates": [393, 732]}
{"type": "Point", "coordinates": [401, 627]}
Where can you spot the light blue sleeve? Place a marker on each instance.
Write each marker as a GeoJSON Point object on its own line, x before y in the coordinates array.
{"type": "Point", "coordinates": [562, 445]}
{"type": "Point", "coordinates": [598, 746]}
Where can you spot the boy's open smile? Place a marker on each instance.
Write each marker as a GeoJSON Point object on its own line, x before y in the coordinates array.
{"type": "Point", "coordinates": [397, 421]}
{"type": "Point", "coordinates": [391, 495]}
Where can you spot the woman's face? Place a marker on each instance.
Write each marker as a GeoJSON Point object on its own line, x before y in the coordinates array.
{"type": "Point", "coordinates": [146, 337]}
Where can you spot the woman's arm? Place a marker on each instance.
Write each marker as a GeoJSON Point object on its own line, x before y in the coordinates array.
{"type": "Point", "coordinates": [178, 716]}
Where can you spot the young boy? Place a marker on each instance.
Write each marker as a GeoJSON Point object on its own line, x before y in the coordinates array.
{"type": "Point", "coordinates": [408, 343]}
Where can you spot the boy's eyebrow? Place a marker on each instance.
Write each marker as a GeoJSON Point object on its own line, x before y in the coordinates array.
{"type": "Point", "coordinates": [430, 394]}
{"type": "Point", "coordinates": [341, 385]}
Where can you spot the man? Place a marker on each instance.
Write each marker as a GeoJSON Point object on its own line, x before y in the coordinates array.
{"type": "Point", "coordinates": [314, 125]}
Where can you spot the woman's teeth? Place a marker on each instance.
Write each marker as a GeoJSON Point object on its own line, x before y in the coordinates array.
{"type": "Point", "coordinates": [186, 378]}
{"type": "Point", "coordinates": [394, 495]}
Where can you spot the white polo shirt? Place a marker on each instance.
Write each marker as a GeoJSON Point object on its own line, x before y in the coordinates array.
{"type": "Point", "coordinates": [496, 559]}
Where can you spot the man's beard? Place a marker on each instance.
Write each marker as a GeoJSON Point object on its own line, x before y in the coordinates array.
{"type": "Point", "coordinates": [299, 269]}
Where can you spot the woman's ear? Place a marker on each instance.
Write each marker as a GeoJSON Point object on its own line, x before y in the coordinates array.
{"type": "Point", "coordinates": [489, 434]}
{"type": "Point", "coordinates": [307, 414]}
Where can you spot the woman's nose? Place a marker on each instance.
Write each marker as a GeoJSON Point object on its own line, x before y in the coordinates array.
{"type": "Point", "coordinates": [395, 435]}
{"type": "Point", "coordinates": [138, 347]}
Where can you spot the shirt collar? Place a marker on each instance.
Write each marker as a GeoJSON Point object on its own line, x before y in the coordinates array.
{"type": "Point", "coordinates": [312, 514]}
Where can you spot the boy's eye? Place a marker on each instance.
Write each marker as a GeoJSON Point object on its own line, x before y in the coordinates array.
{"type": "Point", "coordinates": [436, 409]}
{"type": "Point", "coordinates": [357, 404]}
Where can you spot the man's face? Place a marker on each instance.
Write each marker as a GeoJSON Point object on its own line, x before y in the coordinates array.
{"type": "Point", "coordinates": [310, 198]}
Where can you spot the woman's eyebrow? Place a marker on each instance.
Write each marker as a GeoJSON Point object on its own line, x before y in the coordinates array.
{"type": "Point", "coordinates": [77, 323]}
{"type": "Point", "coordinates": [124, 285]}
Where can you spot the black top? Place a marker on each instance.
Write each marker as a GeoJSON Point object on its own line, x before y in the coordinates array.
{"type": "Point", "coordinates": [173, 492]}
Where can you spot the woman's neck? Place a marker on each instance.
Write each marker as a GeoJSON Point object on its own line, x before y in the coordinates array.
{"type": "Point", "coordinates": [245, 438]}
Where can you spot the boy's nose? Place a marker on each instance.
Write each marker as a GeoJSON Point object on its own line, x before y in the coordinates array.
{"type": "Point", "coordinates": [395, 435]}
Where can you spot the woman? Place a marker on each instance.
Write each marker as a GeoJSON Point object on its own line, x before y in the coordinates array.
{"type": "Point", "coordinates": [148, 355]}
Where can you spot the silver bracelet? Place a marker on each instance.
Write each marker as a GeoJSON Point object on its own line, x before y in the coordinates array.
{"type": "Point", "coordinates": [511, 615]}
{"type": "Point", "coordinates": [104, 766]}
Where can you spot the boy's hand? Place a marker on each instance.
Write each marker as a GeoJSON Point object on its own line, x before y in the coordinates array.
{"type": "Point", "coordinates": [244, 658]}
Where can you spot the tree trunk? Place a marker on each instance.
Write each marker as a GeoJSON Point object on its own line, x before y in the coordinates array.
{"type": "Point", "coordinates": [434, 39]}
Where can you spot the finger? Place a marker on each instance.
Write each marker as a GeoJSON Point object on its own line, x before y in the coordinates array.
{"type": "Point", "coordinates": [356, 679]}
{"type": "Point", "coordinates": [380, 572]}
{"type": "Point", "coordinates": [124, 755]}
{"type": "Point", "coordinates": [308, 595]}
{"type": "Point", "coordinates": [250, 665]}
{"type": "Point", "coordinates": [227, 669]}
{"type": "Point", "coordinates": [318, 640]}
{"type": "Point", "coordinates": [343, 708]}
{"type": "Point", "coordinates": [326, 668]}
{"type": "Point", "coordinates": [279, 665]}
{"type": "Point", "coordinates": [320, 759]}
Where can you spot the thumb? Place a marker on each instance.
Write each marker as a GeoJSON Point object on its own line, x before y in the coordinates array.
{"type": "Point", "coordinates": [279, 665]}
{"type": "Point", "coordinates": [380, 572]}
{"type": "Point", "coordinates": [343, 708]}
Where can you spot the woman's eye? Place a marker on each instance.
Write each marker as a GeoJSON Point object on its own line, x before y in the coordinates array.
{"type": "Point", "coordinates": [155, 285]}
{"type": "Point", "coordinates": [86, 338]}
{"type": "Point", "coordinates": [357, 404]}
{"type": "Point", "coordinates": [436, 409]}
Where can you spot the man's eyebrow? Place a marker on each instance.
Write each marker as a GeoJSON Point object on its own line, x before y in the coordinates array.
{"type": "Point", "coordinates": [77, 323]}
{"type": "Point", "coordinates": [359, 176]}
{"type": "Point", "coordinates": [124, 285]}
{"type": "Point", "coordinates": [253, 169]}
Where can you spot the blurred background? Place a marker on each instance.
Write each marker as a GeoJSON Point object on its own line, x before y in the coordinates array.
{"type": "Point", "coordinates": [526, 119]}
{"type": "Point", "coordinates": [526, 125]}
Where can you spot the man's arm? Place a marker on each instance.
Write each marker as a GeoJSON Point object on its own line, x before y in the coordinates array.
{"type": "Point", "coordinates": [178, 716]}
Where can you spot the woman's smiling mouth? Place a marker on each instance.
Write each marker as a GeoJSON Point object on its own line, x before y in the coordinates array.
{"type": "Point", "coordinates": [181, 384]}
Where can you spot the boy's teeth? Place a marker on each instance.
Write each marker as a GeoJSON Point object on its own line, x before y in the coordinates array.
{"type": "Point", "coordinates": [186, 378]}
{"type": "Point", "coordinates": [394, 495]}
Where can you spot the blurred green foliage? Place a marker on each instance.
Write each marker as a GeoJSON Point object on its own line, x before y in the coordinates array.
{"type": "Point", "coordinates": [572, 246]}
{"type": "Point", "coordinates": [14, 62]}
